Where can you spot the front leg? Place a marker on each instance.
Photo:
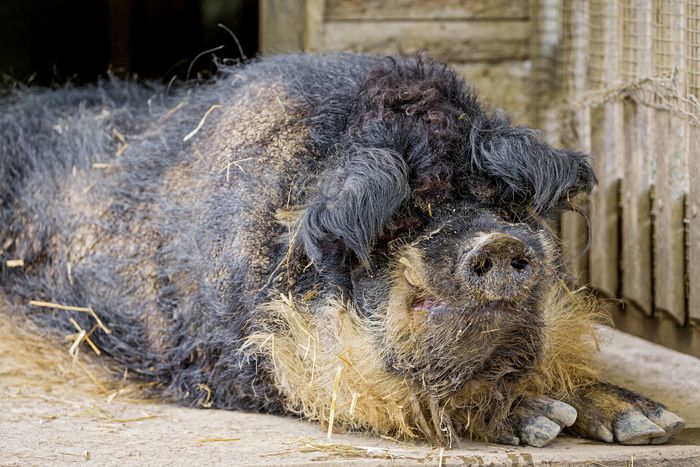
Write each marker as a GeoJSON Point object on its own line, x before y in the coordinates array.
{"type": "Point", "coordinates": [612, 414]}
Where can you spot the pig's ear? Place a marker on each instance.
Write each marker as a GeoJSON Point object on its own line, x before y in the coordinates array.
{"type": "Point", "coordinates": [353, 203]}
{"type": "Point", "coordinates": [528, 169]}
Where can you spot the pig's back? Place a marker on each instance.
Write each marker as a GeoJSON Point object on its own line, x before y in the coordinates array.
{"type": "Point", "coordinates": [158, 209]}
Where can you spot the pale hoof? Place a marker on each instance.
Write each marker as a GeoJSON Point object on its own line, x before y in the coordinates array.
{"type": "Point", "coordinates": [632, 427]}
{"type": "Point", "coordinates": [539, 431]}
{"type": "Point", "coordinates": [670, 423]}
{"type": "Point", "coordinates": [558, 411]}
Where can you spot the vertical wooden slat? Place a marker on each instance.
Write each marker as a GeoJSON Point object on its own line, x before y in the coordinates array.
{"type": "Point", "coordinates": [606, 147]}
{"type": "Point", "coordinates": [377, 10]}
{"type": "Point", "coordinates": [281, 26]}
{"type": "Point", "coordinates": [314, 25]}
{"type": "Point", "coordinates": [693, 199]}
{"type": "Point", "coordinates": [636, 182]}
{"type": "Point", "coordinates": [574, 227]}
{"type": "Point", "coordinates": [575, 133]}
{"type": "Point", "coordinates": [671, 167]}
{"type": "Point", "coordinates": [545, 24]}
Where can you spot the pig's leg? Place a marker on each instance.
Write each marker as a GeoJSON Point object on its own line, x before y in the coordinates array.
{"type": "Point", "coordinates": [610, 413]}
{"type": "Point", "coordinates": [536, 422]}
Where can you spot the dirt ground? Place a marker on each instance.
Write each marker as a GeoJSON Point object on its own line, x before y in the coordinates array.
{"type": "Point", "coordinates": [54, 411]}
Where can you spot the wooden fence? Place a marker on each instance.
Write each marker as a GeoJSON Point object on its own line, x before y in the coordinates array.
{"type": "Point", "coordinates": [488, 41]}
{"type": "Point", "coordinates": [617, 78]}
{"type": "Point", "coordinates": [622, 80]}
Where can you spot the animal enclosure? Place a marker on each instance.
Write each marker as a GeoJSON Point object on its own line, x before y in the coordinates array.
{"type": "Point", "coordinates": [621, 80]}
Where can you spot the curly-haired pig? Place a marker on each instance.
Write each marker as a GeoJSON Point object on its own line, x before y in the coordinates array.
{"type": "Point", "coordinates": [352, 238]}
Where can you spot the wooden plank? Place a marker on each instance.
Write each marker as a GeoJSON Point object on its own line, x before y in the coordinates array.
{"type": "Point", "coordinates": [314, 25]}
{"type": "Point", "coordinates": [606, 147]}
{"type": "Point", "coordinates": [636, 207]}
{"type": "Point", "coordinates": [574, 228]}
{"type": "Point", "coordinates": [693, 198]}
{"type": "Point", "coordinates": [671, 168]}
{"type": "Point", "coordinates": [639, 152]}
{"type": "Point", "coordinates": [281, 26]}
{"type": "Point", "coordinates": [693, 216]}
{"type": "Point", "coordinates": [454, 41]}
{"type": "Point", "coordinates": [544, 44]}
{"type": "Point", "coordinates": [371, 10]}
{"type": "Point", "coordinates": [503, 84]}
{"type": "Point", "coordinates": [669, 212]}
{"type": "Point", "coordinates": [574, 239]}
{"type": "Point", "coordinates": [659, 329]}
{"type": "Point", "coordinates": [572, 64]}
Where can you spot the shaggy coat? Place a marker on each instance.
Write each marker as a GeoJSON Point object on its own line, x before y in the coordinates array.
{"type": "Point", "coordinates": [353, 238]}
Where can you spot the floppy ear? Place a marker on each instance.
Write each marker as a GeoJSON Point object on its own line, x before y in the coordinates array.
{"type": "Point", "coordinates": [353, 204]}
{"type": "Point", "coordinates": [528, 168]}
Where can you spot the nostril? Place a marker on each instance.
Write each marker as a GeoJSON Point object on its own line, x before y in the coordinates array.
{"type": "Point", "coordinates": [483, 267]}
{"type": "Point", "coordinates": [519, 263]}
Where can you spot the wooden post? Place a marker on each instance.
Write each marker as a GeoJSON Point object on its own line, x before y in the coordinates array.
{"type": "Point", "coordinates": [545, 35]}
{"type": "Point", "coordinates": [693, 198]}
{"type": "Point", "coordinates": [373, 10]}
{"type": "Point", "coordinates": [693, 235]}
{"type": "Point", "coordinates": [575, 133]}
{"type": "Point", "coordinates": [606, 148]}
{"type": "Point", "coordinates": [314, 28]}
{"type": "Point", "coordinates": [671, 167]}
{"type": "Point", "coordinates": [639, 153]}
{"type": "Point", "coordinates": [281, 26]}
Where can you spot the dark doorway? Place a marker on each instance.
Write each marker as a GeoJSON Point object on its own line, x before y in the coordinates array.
{"type": "Point", "coordinates": [54, 41]}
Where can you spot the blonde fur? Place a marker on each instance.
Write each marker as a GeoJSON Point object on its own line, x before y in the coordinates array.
{"type": "Point", "coordinates": [310, 342]}
{"type": "Point", "coordinates": [306, 349]}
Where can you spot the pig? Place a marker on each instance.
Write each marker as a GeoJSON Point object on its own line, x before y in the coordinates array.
{"type": "Point", "coordinates": [354, 239]}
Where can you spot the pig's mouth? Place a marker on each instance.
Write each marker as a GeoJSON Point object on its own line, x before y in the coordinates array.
{"type": "Point", "coordinates": [430, 305]}
{"type": "Point", "coordinates": [426, 302]}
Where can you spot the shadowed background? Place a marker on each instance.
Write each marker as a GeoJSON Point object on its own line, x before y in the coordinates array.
{"type": "Point", "coordinates": [51, 41]}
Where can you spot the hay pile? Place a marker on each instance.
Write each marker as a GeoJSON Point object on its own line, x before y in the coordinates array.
{"type": "Point", "coordinates": [41, 364]}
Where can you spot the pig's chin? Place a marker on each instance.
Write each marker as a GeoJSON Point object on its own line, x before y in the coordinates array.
{"type": "Point", "coordinates": [437, 308]}
{"type": "Point", "coordinates": [429, 305]}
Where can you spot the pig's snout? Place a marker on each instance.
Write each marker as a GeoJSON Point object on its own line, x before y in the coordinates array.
{"type": "Point", "coordinates": [502, 266]}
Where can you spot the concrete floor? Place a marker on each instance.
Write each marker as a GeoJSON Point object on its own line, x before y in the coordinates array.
{"type": "Point", "coordinates": [51, 414]}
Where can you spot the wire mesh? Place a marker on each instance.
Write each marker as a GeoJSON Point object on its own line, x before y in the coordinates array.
{"type": "Point", "coordinates": [615, 50]}
{"type": "Point", "coordinates": [668, 34]}
{"type": "Point", "coordinates": [668, 52]}
{"type": "Point", "coordinates": [648, 50]}
{"type": "Point", "coordinates": [636, 39]}
{"type": "Point", "coordinates": [546, 18]}
{"type": "Point", "coordinates": [572, 57]}
{"type": "Point", "coordinates": [572, 71]}
{"type": "Point", "coordinates": [597, 53]}
{"type": "Point", "coordinates": [693, 47]}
